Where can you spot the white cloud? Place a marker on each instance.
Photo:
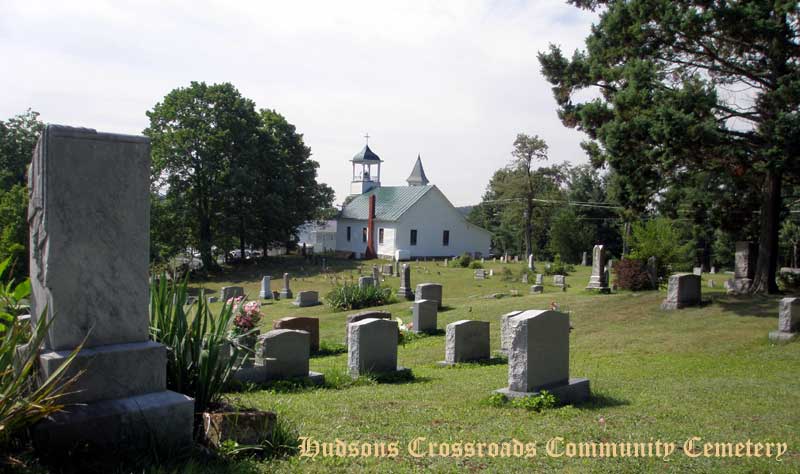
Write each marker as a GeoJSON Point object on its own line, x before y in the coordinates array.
{"type": "Point", "coordinates": [452, 80]}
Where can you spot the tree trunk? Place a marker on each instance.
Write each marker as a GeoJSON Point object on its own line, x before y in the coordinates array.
{"type": "Point", "coordinates": [205, 244]}
{"type": "Point", "coordinates": [528, 229]}
{"type": "Point", "coordinates": [764, 279]}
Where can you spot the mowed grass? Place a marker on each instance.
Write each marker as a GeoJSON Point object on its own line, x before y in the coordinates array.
{"type": "Point", "coordinates": [708, 372]}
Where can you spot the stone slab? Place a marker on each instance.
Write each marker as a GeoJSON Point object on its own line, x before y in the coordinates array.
{"type": "Point", "coordinates": [683, 291]}
{"type": "Point", "coordinates": [539, 352]}
{"type": "Point", "coordinates": [506, 335]}
{"type": "Point", "coordinates": [284, 352]}
{"type": "Point", "coordinates": [306, 299]}
{"type": "Point", "coordinates": [429, 291]}
{"type": "Point", "coordinates": [373, 347]}
{"type": "Point", "coordinates": [789, 315]}
{"type": "Point", "coordinates": [112, 371]}
{"type": "Point", "coordinates": [575, 391]}
{"type": "Point", "coordinates": [467, 341]}
{"type": "Point", "coordinates": [162, 419]}
{"type": "Point", "coordinates": [301, 323]}
{"type": "Point", "coordinates": [780, 336]}
{"type": "Point", "coordinates": [424, 316]}
{"type": "Point", "coordinates": [353, 318]}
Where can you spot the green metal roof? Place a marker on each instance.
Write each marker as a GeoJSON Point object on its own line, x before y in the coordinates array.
{"type": "Point", "coordinates": [391, 202]}
{"type": "Point", "coordinates": [366, 155]}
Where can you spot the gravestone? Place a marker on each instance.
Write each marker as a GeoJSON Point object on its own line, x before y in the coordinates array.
{"type": "Point", "coordinates": [228, 292]}
{"type": "Point", "coordinates": [373, 347]}
{"type": "Point", "coordinates": [424, 316]}
{"type": "Point", "coordinates": [285, 353]}
{"type": "Point", "coordinates": [530, 263]}
{"type": "Point", "coordinates": [744, 266]}
{"type": "Point", "coordinates": [652, 272]}
{"type": "Point", "coordinates": [354, 318]}
{"type": "Point", "coordinates": [286, 291]}
{"type": "Point", "coordinates": [376, 276]}
{"type": "Point", "coordinates": [480, 274]}
{"type": "Point", "coordinates": [525, 277]}
{"type": "Point", "coordinates": [301, 323]}
{"type": "Point", "coordinates": [683, 291]}
{"type": "Point", "coordinates": [466, 341]}
{"type": "Point", "coordinates": [538, 358]}
{"type": "Point", "coordinates": [539, 279]}
{"type": "Point", "coordinates": [365, 282]}
{"type": "Point", "coordinates": [788, 321]}
{"type": "Point", "coordinates": [213, 299]}
{"type": "Point", "coordinates": [697, 270]}
{"type": "Point", "coordinates": [711, 283]}
{"type": "Point", "coordinates": [306, 298]}
{"type": "Point", "coordinates": [491, 272]}
{"type": "Point", "coordinates": [560, 281]}
{"type": "Point", "coordinates": [89, 220]}
{"type": "Point", "coordinates": [445, 262]}
{"type": "Point", "coordinates": [610, 274]}
{"type": "Point", "coordinates": [505, 330]}
{"type": "Point", "coordinates": [387, 269]}
{"type": "Point", "coordinates": [713, 270]}
{"type": "Point", "coordinates": [599, 279]}
{"type": "Point", "coordinates": [584, 260]}
{"type": "Point", "coordinates": [537, 289]}
{"type": "Point", "coordinates": [266, 292]}
{"type": "Point", "coordinates": [429, 291]}
{"type": "Point", "coordinates": [405, 291]}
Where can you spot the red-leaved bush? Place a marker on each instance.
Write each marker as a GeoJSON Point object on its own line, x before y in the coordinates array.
{"type": "Point", "coordinates": [631, 274]}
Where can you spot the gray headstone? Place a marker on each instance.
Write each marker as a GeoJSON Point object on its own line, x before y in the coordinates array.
{"type": "Point", "coordinates": [491, 272]}
{"type": "Point", "coordinates": [525, 277]}
{"type": "Point", "coordinates": [306, 298]}
{"type": "Point", "coordinates": [713, 270]}
{"type": "Point", "coordinates": [429, 291]}
{"type": "Point", "coordinates": [354, 318]}
{"type": "Point", "coordinates": [530, 263]}
{"type": "Point", "coordinates": [539, 279]}
{"type": "Point", "coordinates": [89, 219]}
{"type": "Point", "coordinates": [697, 270]}
{"type": "Point", "coordinates": [539, 353]}
{"type": "Point", "coordinates": [424, 316]}
{"type": "Point", "coordinates": [376, 275]}
{"type": "Point", "coordinates": [284, 352]}
{"type": "Point", "coordinates": [598, 280]}
{"type": "Point", "coordinates": [584, 260]}
{"type": "Point", "coordinates": [480, 274]}
{"type": "Point", "coordinates": [228, 292]}
{"type": "Point", "coordinates": [365, 282]}
{"type": "Point", "coordinates": [711, 283]}
{"type": "Point", "coordinates": [301, 323]}
{"type": "Point", "coordinates": [466, 341]}
{"type": "Point", "coordinates": [286, 291]}
{"type": "Point", "coordinates": [387, 269]}
{"type": "Point", "coordinates": [537, 289]}
{"type": "Point", "coordinates": [405, 291]}
{"type": "Point", "coordinates": [789, 315]}
{"type": "Point", "coordinates": [505, 330]}
{"type": "Point", "coordinates": [683, 291]}
{"type": "Point", "coordinates": [559, 280]}
{"type": "Point", "coordinates": [266, 292]}
{"type": "Point", "coordinates": [373, 347]}
{"type": "Point", "coordinates": [744, 266]}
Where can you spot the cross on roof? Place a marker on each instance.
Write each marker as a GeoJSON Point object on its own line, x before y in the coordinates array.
{"type": "Point", "coordinates": [367, 137]}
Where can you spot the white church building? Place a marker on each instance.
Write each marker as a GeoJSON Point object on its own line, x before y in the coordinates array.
{"type": "Point", "coordinates": [412, 221]}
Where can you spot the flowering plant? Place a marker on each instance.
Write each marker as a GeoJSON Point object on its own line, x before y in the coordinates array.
{"type": "Point", "coordinates": [247, 314]}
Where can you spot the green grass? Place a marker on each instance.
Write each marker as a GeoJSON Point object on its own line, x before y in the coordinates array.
{"type": "Point", "coordinates": [709, 372]}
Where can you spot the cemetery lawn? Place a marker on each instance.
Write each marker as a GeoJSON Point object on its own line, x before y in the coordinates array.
{"type": "Point", "coordinates": [706, 372]}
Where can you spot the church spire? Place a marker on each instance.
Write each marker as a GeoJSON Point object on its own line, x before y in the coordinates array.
{"type": "Point", "coordinates": [417, 177]}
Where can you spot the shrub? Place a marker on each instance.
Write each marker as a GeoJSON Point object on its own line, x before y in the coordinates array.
{"type": "Point", "coordinates": [558, 267]}
{"type": "Point", "coordinates": [788, 281]}
{"type": "Point", "coordinates": [506, 274]}
{"type": "Point", "coordinates": [351, 296]}
{"type": "Point", "coordinates": [475, 265]}
{"type": "Point", "coordinates": [463, 261]}
{"type": "Point", "coordinates": [23, 401]}
{"type": "Point", "coordinates": [200, 353]}
{"type": "Point", "coordinates": [631, 274]}
{"type": "Point", "coordinates": [661, 238]}
{"type": "Point", "coordinates": [542, 401]}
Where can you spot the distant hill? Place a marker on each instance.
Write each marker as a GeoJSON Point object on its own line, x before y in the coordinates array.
{"type": "Point", "coordinates": [464, 210]}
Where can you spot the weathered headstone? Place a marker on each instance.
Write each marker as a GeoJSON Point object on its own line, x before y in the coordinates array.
{"type": "Point", "coordinates": [788, 321]}
{"type": "Point", "coordinates": [480, 274]}
{"type": "Point", "coordinates": [429, 291]}
{"type": "Point", "coordinates": [539, 358]}
{"type": "Point", "coordinates": [405, 290]}
{"type": "Point", "coordinates": [286, 291]}
{"type": "Point", "coordinates": [560, 281]}
{"type": "Point", "coordinates": [744, 266]}
{"type": "Point", "coordinates": [376, 276]}
{"type": "Point", "coordinates": [537, 289]}
{"type": "Point", "coordinates": [584, 260]}
{"type": "Point", "coordinates": [711, 283]}
{"type": "Point", "coordinates": [306, 298]}
{"type": "Point", "coordinates": [284, 353]}
{"type": "Point", "coordinates": [491, 272]}
{"type": "Point", "coordinates": [301, 323]}
{"type": "Point", "coordinates": [530, 263]}
{"type": "Point", "coordinates": [425, 316]}
{"type": "Point", "coordinates": [466, 341]}
{"type": "Point", "coordinates": [599, 278]}
{"type": "Point", "coordinates": [228, 292]}
{"type": "Point", "coordinates": [610, 274]}
{"type": "Point", "coordinates": [683, 291]}
{"type": "Point", "coordinates": [697, 270]}
{"type": "Point", "coordinates": [539, 279]}
{"type": "Point", "coordinates": [354, 318]}
{"type": "Point", "coordinates": [89, 219]}
{"type": "Point", "coordinates": [652, 272]}
{"type": "Point", "coordinates": [213, 299]}
{"type": "Point", "coordinates": [266, 292]}
{"type": "Point", "coordinates": [373, 347]}
{"type": "Point", "coordinates": [365, 282]}
{"type": "Point", "coordinates": [387, 269]}
{"type": "Point", "coordinates": [505, 330]}
{"type": "Point", "coordinates": [525, 277]}
{"type": "Point", "coordinates": [713, 270]}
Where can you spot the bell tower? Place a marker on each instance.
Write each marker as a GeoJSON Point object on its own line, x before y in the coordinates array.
{"type": "Point", "coordinates": [364, 176]}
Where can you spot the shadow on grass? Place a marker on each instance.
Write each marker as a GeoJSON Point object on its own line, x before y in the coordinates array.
{"type": "Point", "coordinates": [750, 305]}
{"type": "Point", "coordinates": [478, 363]}
{"type": "Point", "coordinates": [297, 266]}
{"type": "Point", "coordinates": [446, 308]}
{"type": "Point", "coordinates": [599, 400]}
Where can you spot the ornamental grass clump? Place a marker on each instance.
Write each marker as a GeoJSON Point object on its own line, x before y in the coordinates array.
{"type": "Point", "coordinates": [351, 296]}
{"type": "Point", "coordinates": [201, 356]}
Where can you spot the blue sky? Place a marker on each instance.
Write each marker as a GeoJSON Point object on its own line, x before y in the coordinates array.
{"type": "Point", "coordinates": [454, 81]}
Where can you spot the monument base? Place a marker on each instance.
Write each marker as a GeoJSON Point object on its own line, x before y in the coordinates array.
{"type": "Point", "coordinates": [574, 391]}
{"type": "Point", "coordinates": [406, 293]}
{"type": "Point", "coordinates": [161, 419]}
{"type": "Point", "coordinates": [261, 374]}
{"type": "Point", "coordinates": [286, 294]}
{"type": "Point", "coordinates": [537, 289]}
{"type": "Point", "coordinates": [300, 304]}
{"type": "Point", "coordinates": [781, 337]}
{"type": "Point", "coordinates": [401, 372]}
{"type": "Point", "coordinates": [265, 295]}
{"type": "Point", "coordinates": [673, 305]}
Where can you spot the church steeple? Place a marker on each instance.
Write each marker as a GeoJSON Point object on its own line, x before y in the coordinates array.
{"type": "Point", "coordinates": [363, 178]}
{"type": "Point", "coordinates": [417, 177]}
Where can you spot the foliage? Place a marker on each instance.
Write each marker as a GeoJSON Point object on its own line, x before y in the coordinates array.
{"type": "Point", "coordinates": [558, 267]}
{"type": "Point", "coordinates": [789, 281]}
{"type": "Point", "coordinates": [631, 274]}
{"type": "Point", "coordinates": [687, 87]}
{"type": "Point", "coordinates": [660, 238]}
{"type": "Point", "coordinates": [23, 400]}
{"type": "Point", "coordinates": [462, 261]}
{"type": "Point", "coordinates": [569, 237]}
{"type": "Point", "coordinates": [542, 401]}
{"type": "Point", "coordinates": [328, 348]}
{"type": "Point", "coordinates": [506, 274]}
{"type": "Point", "coordinates": [283, 441]}
{"type": "Point", "coordinates": [200, 353]}
{"type": "Point", "coordinates": [475, 265]}
{"type": "Point", "coordinates": [247, 315]}
{"type": "Point", "coordinates": [496, 400]}
{"type": "Point", "coordinates": [790, 240]}
{"type": "Point", "coordinates": [351, 296]}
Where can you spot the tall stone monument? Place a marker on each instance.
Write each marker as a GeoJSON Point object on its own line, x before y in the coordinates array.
{"type": "Point", "coordinates": [405, 290]}
{"type": "Point", "coordinates": [266, 291]}
{"type": "Point", "coordinates": [286, 291]}
{"type": "Point", "coordinates": [744, 266]}
{"type": "Point", "coordinates": [598, 280]}
{"type": "Point", "coordinates": [89, 219]}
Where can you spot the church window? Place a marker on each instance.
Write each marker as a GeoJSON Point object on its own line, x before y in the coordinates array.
{"type": "Point", "coordinates": [446, 238]}
{"type": "Point", "coordinates": [413, 236]}
{"type": "Point", "coordinates": [348, 233]}
{"type": "Point", "coordinates": [363, 234]}
{"type": "Point", "coordinates": [380, 236]}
